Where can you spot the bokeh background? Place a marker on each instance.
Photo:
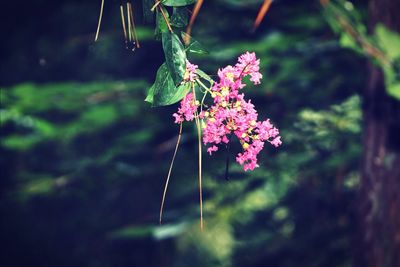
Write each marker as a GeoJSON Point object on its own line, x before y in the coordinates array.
{"type": "Point", "coordinates": [84, 158]}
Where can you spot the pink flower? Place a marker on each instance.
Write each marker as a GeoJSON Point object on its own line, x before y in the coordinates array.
{"type": "Point", "coordinates": [212, 149]}
{"type": "Point", "coordinates": [248, 64]}
{"type": "Point", "coordinates": [232, 114]}
{"type": "Point", "coordinates": [190, 74]}
{"type": "Point", "coordinates": [228, 77]}
{"type": "Point", "coordinates": [276, 142]}
{"type": "Point", "coordinates": [187, 109]}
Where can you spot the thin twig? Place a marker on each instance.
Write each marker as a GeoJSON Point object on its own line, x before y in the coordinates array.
{"type": "Point", "coordinates": [169, 172]}
{"type": "Point", "coordinates": [202, 85]}
{"type": "Point", "coordinates": [192, 19]}
{"type": "Point", "coordinates": [155, 5]}
{"type": "Point", "coordinates": [228, 146]}
{"type": "Point", "coordinates": [202, 102]}
{"type": "Point", "coordinates": [133, 26]}
{"type": "Point", "coordinates": [200, 163]}
{"type": "Point", "coordinates": [261, 14]}
{"type": "Point", "coordinates": [121, 7]}
{"type": "Point", "coordinates": [99, 23]}
{"type": "Point", "coordinates": [368, 48]}
{"type": "Point", "coordinates": [166, 20]}
{"type": "Point", "coordinates": [128, 14]}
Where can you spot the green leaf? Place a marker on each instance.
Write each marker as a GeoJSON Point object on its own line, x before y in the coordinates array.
{"type": "Point", "coordinates": [388, 40]}
{"type": "Point", "coordinates": [150, 95]}
{"type": "Point", "coordinates": [175, 56]}
{"type": "Point", "coordinates": [178, 2]}
{"type": "Point", "coordinates": [179, 17]}
{"type": "Point", "coordinates": [394, 90]}
{"type": "Point", "coordinates": [346, 41]}
{"type": "Point", "coordinates": [148, 15]}
{"type": "Point", "coordinates": [171, 95]}
{"type": "Point", "coordinates": [164, 92]}
{"type": "Point", "coordinates": [392, 82]}
{"type": "Point", "coordinates": [132, 232]}
{"type": "Point", "coordinates": [194, 46]}
{"type": "Point", "coordinates": [161, 25]}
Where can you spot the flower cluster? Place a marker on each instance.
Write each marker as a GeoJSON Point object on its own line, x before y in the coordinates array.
{"type": "Point", "coordinates": [187, 110]}
{"type": "Point", "coordinates": [230, 114]}
{"type": "Point", "coordinates": [190, 74]}
{"type": "Point", "coordinates": [188, 104]}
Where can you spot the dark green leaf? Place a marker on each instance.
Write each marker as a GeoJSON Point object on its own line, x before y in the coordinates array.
{"type": "Point", "coordinates": [194, 46]}
{"type": "Point", "coordinates": [388, 40]}
{"type": "Point", "coordinates": [178, 2]}
{"type": "Point", "coordinates": [148, 15]}
{"type": "Point", "coordinates": [392, 82]}
{"type": "Point", "coordinates": [150, 95]}
{"type": "Point", "coordinates": [164, 92]}
{"type": "Point", "coordinates": [171, 95]}
{"type": "Point", "coordinates": [179, 17]}
{"type": "Point", "coordinates": [175, 56]}
{"type": "Point", "coordinates": [161, 25]}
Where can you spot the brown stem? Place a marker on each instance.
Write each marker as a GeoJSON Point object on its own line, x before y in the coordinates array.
{"type": "Point", "coordinates": [192, 19]}
{"type": "Point", "coordinates": [261, 14]}
{"type": "Point", "coordinates": [165, 18]}
{"type": "Point", "coordinates": [169, 172]}
{"type": "Point", "coordinates": [121, 7]}
{"type": "Point", "coordinates": [198, 126]}
{"type": "Point", "coordinates": [99, 23]}
{"type": "Point", "coordinates": [133, 26]}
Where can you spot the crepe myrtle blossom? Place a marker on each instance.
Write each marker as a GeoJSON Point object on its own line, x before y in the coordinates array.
{"type": "Point", "coordinates": [187, 109]}
{"type": "Point", "coordinates": [190, 74]}
{"type": "Point", "coordinates": [230, 113]}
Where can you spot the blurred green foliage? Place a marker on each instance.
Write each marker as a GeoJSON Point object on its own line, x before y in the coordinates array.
{"type": "Point", "coordinates": [382, 46]}
{"type": "Point", "coordinates": [83, 163]}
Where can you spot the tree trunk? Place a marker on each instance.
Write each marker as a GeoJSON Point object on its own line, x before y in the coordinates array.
{"type": "Point", "coordinates": [379, 195]}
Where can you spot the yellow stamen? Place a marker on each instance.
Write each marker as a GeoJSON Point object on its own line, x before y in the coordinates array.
{"type": "Point", "coordinates": [224, 91]}
{"type": "Point", "coordinates": [230, 76]}
{"type": "Point", "coordinates": [186, 76]}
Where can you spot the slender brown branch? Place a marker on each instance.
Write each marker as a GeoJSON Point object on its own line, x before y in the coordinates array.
{"type": "Point", "coordinates": [128, 14]}
{"type": "Point", "coordinates": [192, 19]}
{"type": "Point", "coordinates": [166, 19]}
{"type": "Point", "coordinates": [121, 7]}
{"type": "Point", "coordinates": [99, 23]}
{"type": "Point", "coordinates": [155, 5]}
{"type": "Point", "coordinates": [198, 126]}
{"type": "Point", "coordinates": [169, 172]}
{"type": "Point", "coordinates": [368, 48]}
{"type": "Point", "coordinates": [133, 26]}
{"type": "Point", "coordinates": [261, 13]}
